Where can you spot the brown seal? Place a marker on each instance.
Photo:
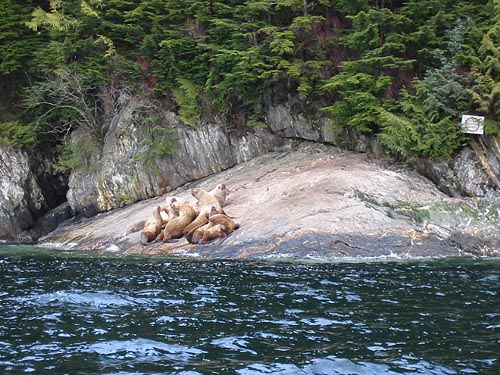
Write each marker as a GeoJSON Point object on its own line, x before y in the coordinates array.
{"type": "Point", "coordinates": [205, 234]}
{"type": "Point", "coordinates": [218, 226]}
{"type": "Point", "coordinates": [200, 220]}
{"type": "Point", "coordinates": [203, 218]}
{"type": "Point", "coordinates": [228, 224]}
{"type": "Point", "coordinates": [174, 227]}
{"type": "Point", "coordinates": [212, 233]}
{"type": "Point", "coordinates": [152, 227]}
{"type": "Point", "coordinates": [207, 204]}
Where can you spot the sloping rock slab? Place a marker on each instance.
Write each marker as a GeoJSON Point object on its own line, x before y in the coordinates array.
{"type": "Point", "coordinates": [315, 201]}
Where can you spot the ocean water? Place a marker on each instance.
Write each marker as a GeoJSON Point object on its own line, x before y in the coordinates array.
{"type": "Point", "coordinates": [90, 313]}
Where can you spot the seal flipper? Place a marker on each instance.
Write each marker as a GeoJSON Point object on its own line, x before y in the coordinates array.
{"type": "Point", "coordinates": [145, 241]}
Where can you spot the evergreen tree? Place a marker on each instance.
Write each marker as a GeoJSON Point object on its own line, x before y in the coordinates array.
{"type": "Point", "coordinates": [17, 42]}
{"type": "Point", "coordinates": [486, 74]}
{"type": "Point", "coordinates": [231, 59]}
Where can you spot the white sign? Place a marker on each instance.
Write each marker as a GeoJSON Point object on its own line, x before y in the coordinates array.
{"type": "Point", "coordinates": [473, 124]}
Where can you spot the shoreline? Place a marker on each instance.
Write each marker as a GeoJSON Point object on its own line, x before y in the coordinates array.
{"type": "Point", "coordinates": [38, 249]}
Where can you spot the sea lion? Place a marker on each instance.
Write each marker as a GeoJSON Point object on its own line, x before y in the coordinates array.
{"type": "Point", "coordinates": [206, 204]}
{"type": "Point", "coordinates": [220, 193]}
{"type": "Point", "coordinates": [196, 234]}
{"type": "Point", "coordinates": [167, 208]}
{"type": "Point", "coordinates": [228, 224]}
{"type": "Point", "coordinates": [203, 218]}
{"type": "Point", "coordinates": [212, 233]}
{"type": "Point", "coordinates": [205, 201]}
{"type": "Point", "coordinates": [174, 227]}
{"type": "Point", "coordinates": [206, 233]}
{"type": "Point", "coordinates": [152, 227]}
{"type": "Point", "coordinates": [200, 220]}
{"type": "Point", "coordinates": [203, 234]}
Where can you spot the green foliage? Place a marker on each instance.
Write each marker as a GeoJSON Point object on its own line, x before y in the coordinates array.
{"type": "Point", "coordinates": [65, 95]}
{"type": "Point", "coordinates": [444, 89]}
{"type": "Point", "coordinates": [352, 7]}
{"type": "Point", "coordinates": [425, 124]}
{"type": "Point", "coordinates": [485, 92]}
{"type": "Point", "coordinates": [55, 19]}
{"type": "Point", "coordinates": [232, 59]}
{"type": "Point", "coordinates": [360, 102]}
{"type": "Point", "coordinates": [18, 134]}
{"type": "Point", "coordinates": [17, 43]}
{"type": "Point", "coordinates": [378, 36]}
{"type": "Point", "coordinates": [186, 96]}
{"type": "Point", "coordinates": [160, 141]}
{"type": "Point", "coordinates": [419, 132]}
{"type": "Point", "coordinates": [492, 127]}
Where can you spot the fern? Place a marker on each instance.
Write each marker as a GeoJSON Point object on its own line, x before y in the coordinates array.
{"type": "Point", "coordinates": [414, 132]}
{"type": "Point", "coordinates": [159, 142]}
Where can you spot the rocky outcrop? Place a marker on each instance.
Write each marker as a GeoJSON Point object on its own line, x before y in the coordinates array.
{"type": "Point", "coordinates": [312, 201]}
{"type": "Point", "coordinates": [29, 189]}
{"type": "Point", "coordinates": [467, 173]}
{"type": "Point", "coordinates": [121, 176]}
{"type": "Point", "coordinates": [21, 199]}
{"type": "Point", "coordinates": [284, 122]}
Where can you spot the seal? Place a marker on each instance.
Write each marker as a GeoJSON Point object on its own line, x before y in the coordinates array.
{"type": "Point", "coordinates": [218, 226]}
{"type": "Point", "coordinates": [200, 220]}
{"type": "Point", "coordinates": [152, 227]}
{"type": "Point", "coordinates": [228, 224]}
{"type": "Point", "coordinates": [174, 227]}
{"type": "Point", "coordinates": [168, 210]}
{"type": "Point", "coordinates": [206, 204]}
{"type": "Point", "coordinates": [212, 233]}
{"type": "Point", "coordinates": [205, 234]}
{"type": "Point", "coordinates": [220, 192]}
{"type": "Point", "coordinates": [206, 200]}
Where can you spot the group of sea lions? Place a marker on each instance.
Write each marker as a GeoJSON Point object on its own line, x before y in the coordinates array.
{"type": "Point", "coordinates": [200, 222]}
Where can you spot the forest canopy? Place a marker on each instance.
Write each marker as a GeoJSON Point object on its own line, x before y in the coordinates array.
{"type": "Point", "coordinates": [402, 71]}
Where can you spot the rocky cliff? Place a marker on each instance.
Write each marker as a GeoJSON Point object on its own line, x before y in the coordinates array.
{"type": "Point", "coordinates": [29, 188]}
{"type": "Point", "coordinates": [121, 177]}
{"type": "Point", "coordinates": [21, 199]}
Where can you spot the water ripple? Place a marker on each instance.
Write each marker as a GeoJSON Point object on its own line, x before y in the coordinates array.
{"type": "Point", "coordinates": [97, 300]}
{"type": "Point", "coordinates": [140, 348]}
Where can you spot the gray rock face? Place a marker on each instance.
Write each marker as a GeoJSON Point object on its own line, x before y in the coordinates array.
{"type": "Point", "coordinates": [465, 175]}
{"type": "Point", "coordinates": [21, 199]}
{"type": "Point", "coordinates": [120, 177]}
{"type": "Point", "coordinates": [286, 124]}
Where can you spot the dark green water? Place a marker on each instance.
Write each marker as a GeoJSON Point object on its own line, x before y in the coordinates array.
{"type": "Point", "coordinates": [85, 314]}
